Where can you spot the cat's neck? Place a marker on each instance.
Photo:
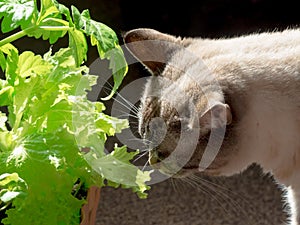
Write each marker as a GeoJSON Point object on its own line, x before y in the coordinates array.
{"type": "Point", "coordinates": [267, 124]}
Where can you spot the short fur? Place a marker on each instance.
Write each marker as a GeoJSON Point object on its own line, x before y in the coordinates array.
{"type": "Point", "coordinates": [254, 93]}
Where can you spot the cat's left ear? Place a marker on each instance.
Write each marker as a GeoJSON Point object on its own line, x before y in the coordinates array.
{"type": "Point", "coordinates": [218, 115]}
{"type": "Point", "coordinates": [151, 47]}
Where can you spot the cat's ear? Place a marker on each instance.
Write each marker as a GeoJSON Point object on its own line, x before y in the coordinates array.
{"type": "Point", "coordinates": [218, 115]}
{"type": "Point", "coordinates": [151, 47]}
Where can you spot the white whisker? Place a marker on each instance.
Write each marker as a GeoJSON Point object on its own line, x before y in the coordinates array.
{"type": "Point", "coordinates": [204, 190]}
{"type": "Point", "coordinates": [141, 156]}
{"type": "Point", "coordinates": [144, 167]}
{"type": "Point", "coordinates": [214, 188]}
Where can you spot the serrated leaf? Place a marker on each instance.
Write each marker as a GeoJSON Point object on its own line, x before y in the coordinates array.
{"type": "Point", "coordinates": [16, 13]}
{"type": "Point", "coordinates": [105, 36]}
{"type": "Point", "coordinates": [117, 168]}
{"type": "Point", "coordinates": [106, 41]}
{"type": "Point", "coordinates": [110, 125]}
{"type": "Point", "coordinates": [32, 64]}
{"type": "Point", "coordinates": [52, 35]}
{"type": "Point", "coordinates": [53, 205]}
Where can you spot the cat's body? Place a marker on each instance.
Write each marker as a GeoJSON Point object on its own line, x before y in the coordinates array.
{"type": "Point", "coordinates": [254, 94]}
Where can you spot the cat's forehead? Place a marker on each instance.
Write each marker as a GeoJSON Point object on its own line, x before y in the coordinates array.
{"type": "Point", "coordinates": [164, 95]}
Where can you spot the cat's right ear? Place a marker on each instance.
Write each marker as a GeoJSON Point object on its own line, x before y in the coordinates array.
{"type": "Point", "coordinates": [151, 47]}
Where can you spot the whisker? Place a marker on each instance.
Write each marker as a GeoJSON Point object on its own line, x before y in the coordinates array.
{"type": "Point", "coordinates": [128, 115]}
{"type": "Point", "coordinates": [128, 105]}
{"type": "Point", "coordinates": [124, 99]}
{"type": "Point", "coordinates": [173, 184]}
{"type": "Point", "coordinates": [141, 156]}
{"type": "Point", "coordinates": [145, 141]}
{"type": "Point", "coordinates": [214, 188]}
{"type": "Point", "coordinates": [199, 187]}
{"type": "Point", "coordinates": [220, 187]}
{"type": "Point", "coordinates": [144, 167]}
{"type": "Point", "coordinates": [125, 113]}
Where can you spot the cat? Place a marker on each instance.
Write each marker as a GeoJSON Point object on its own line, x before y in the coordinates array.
{"type": "Point", "coordinates": [235, 101]}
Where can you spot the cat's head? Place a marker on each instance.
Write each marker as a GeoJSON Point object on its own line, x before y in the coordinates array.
{"type": "Point", "coordinates": [183, 114]}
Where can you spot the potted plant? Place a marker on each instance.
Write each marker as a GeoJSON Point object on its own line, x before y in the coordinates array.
{"type": "Point", "coordinates": [51, 136]}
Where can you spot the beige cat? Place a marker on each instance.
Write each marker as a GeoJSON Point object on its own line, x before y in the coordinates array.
{"type": "Point", "coordinates": [248, 85]}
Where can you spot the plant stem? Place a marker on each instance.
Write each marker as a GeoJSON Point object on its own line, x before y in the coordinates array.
{"type": "Point", "coordinates": [13, 37]}
{"type": "Point", "coordinates": [23, 33]}
{"type": "Point", "coordinates": [54, 28]}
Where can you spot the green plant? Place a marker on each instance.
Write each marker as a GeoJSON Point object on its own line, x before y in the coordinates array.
{"type": "Point", "coordinates": [52, 137]}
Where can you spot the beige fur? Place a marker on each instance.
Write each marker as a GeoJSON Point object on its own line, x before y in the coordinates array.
{"type": "Point", "coordinates": [259, 77]}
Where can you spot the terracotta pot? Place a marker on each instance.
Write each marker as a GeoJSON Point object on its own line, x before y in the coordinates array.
{"type": "Point", "coordinates": [89, 210]}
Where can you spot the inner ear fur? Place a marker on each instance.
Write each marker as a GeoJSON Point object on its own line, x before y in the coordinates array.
{"type": "Point", "coordinates": [151, 47]}
{"type": "Point", "coordinates": [219, 115]}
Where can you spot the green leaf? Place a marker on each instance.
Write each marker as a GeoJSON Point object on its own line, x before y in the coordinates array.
{"type": "Point", "coordinates": [16, 13]}
{"type": "Point", "coordinates": [3, 119]}
{"type": "Point", "coordinates": [107, 44]}
{"type": "Point", "coordinates": [11, 186]}
{"type": "Point", "coordinates": [2, 61]}
{"type": "Point", "coordinates": [6, 93]}
{"type": "Point", "coordinates": [110, 125]}
{"type": "Point", "coordinates": [30, 64]}
{"type": "Point", "coordinates": [48, 9]}
{"type": "Point", "coordinates": [65, 11]}
{"type": "Point", "coordinates": [46, 30]}
{"type": "Point", "coordinates": [48, 23]}
{"type": "Point", "coordinates": [117, 168]}
{"type": "Point", "coordinates": [6, 49]}
{"type": "Point", "coordinates": [11, 62]}
{"type": "Point", "coordinates": [78, 45]}
{"type": "Point", "coordinates": [105, 37]}
{"type": "Point", "coordinates": [48, 201]}
{"type": "Point", "coordinates": [119, 68]}
{"type": "Point", "coordinates": [6, 196]}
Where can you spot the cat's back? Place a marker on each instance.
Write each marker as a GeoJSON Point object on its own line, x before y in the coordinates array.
{"type": "Point", "coordinates": [276, 43]}
{"type": "Point", "coordinates": [262, 56]}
